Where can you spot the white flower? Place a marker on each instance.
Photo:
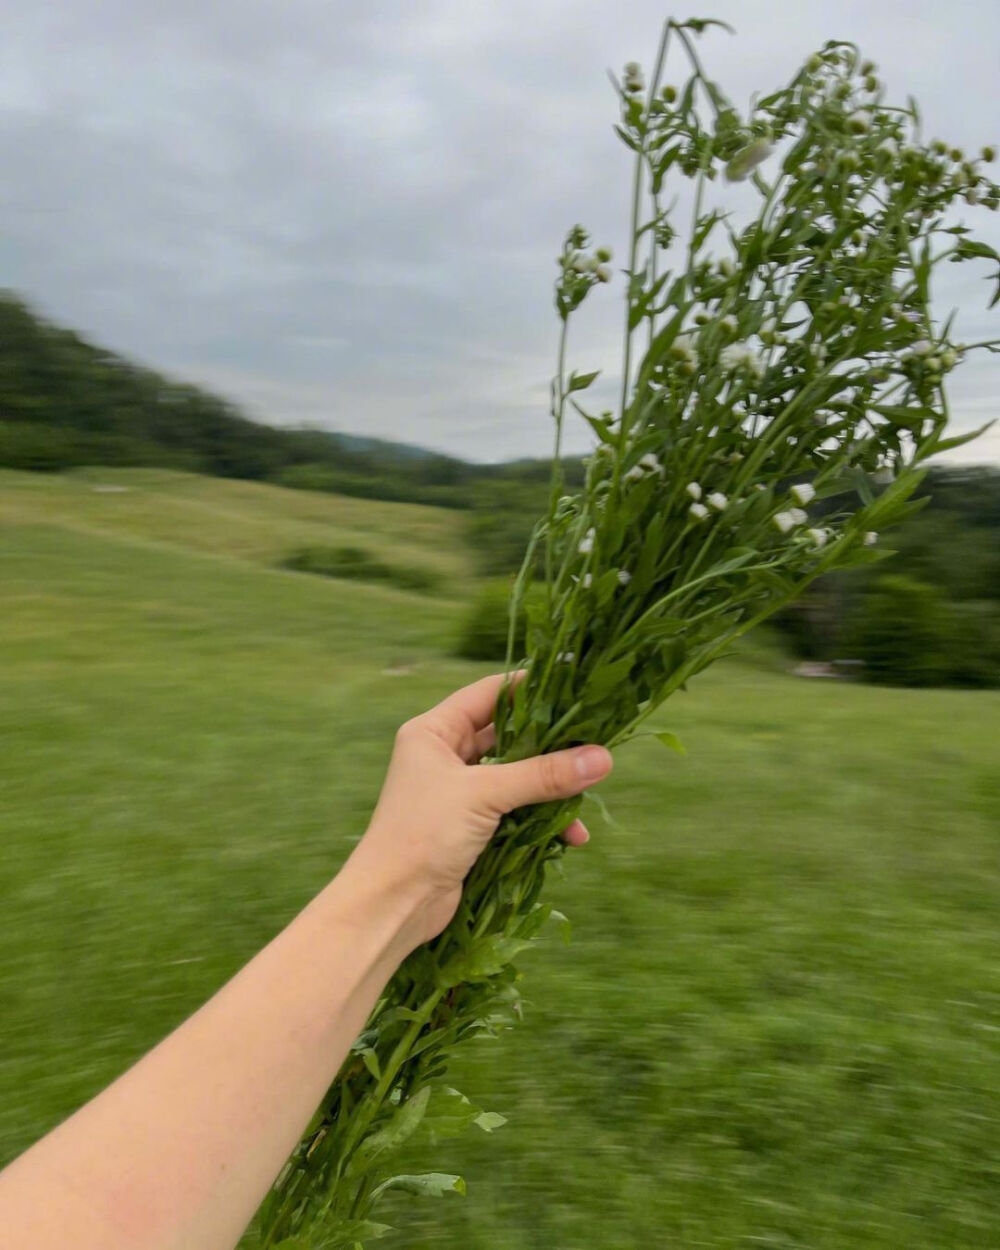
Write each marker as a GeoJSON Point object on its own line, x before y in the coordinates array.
{"type": "Point", "coordinates": [694, 490]}
{"type": "Point", "coordinates": [682, 348]}
{"type": "Point", "coordinates": [747, 159]}
{"type": "Point", "coordinates": [818, 537]}
{"type": "Point", "coordinates": [634, 474]}
{"type": "Point", "coordinates": [728, 324]}
{"type": "Point", "coordinates": [718, 500]}
{"type": "Point", "coordinates": [798, 516]}
{"type": "Point", "coordinates": [882, 476]}
{"type": "Point", "coordinates": [887, 148]}
{"type": "Point", "coordinates": [593, 264]}
{"type": "Point", "coordinates": [739, 356]}
{"type": "Point", "coordinates": [784, 521]}
{"type": "Point", "coordinates": [566, 657]}
{"type": "Point", "coordinates": [859, 122]}
{"type": "Point", "coordinates": [632, 69]}
{"type": "Point", "coordinates": [871, 538]}
{"type": "Point", "coordinates": [921, 347]}
{"type": "Point", "coordinates": [649, 461]}
{"type": "Point", "coordinates": [588, 580]}
{"type": "Point", "coordinates": [802, 492]}
{"type": "Point", "coordinates": [587, 543]}
{"type": "Point", "coordinates": [603, 273]}
{"type": "Point", "coordinates": [698, 511]}
{"type": "Point", "coordinates": [624, 577]}
{"type": "Point", "coordinates": [578, 262]}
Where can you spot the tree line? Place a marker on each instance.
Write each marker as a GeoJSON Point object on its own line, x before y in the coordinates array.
{"type": "Point", "coordinates": [929, 616]}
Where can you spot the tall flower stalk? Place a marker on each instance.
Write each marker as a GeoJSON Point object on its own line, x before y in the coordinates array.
{"type": "Point", "coordinates": [791, 383]}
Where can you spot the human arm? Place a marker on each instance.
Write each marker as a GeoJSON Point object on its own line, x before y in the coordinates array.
{"type": "Point", "coordinates": [178, 1153]}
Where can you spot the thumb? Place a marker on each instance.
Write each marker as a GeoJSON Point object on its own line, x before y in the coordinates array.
{"type": "Point", "coordinates": [557, 775]}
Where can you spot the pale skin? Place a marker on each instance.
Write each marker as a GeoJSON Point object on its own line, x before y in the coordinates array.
{"type": "Point", "coordinates": [178, 1152]}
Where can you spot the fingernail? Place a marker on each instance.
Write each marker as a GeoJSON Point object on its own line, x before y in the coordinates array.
{"type": "Point", "coordinates": [593, 762]}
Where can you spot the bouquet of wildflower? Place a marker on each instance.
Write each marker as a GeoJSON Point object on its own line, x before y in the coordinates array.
{"type": "Point", "coordinates": [782, 380]}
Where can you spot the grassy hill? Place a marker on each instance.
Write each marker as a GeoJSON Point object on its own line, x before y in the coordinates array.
{"type": "Point", "coordinates": [777, 1024]}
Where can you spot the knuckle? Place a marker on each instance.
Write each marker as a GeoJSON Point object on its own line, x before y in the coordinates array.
{"type": "Point", "coordinates": [407, 732]}
{"type": "Point", "coordinates": [549, 775]}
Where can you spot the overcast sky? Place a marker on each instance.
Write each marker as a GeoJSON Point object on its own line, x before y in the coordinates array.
{"type": "Point", "coordinates": [346, 214]}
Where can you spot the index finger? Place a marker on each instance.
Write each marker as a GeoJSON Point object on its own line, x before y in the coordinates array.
{"type": "Point", "coordinates": [472, 706]}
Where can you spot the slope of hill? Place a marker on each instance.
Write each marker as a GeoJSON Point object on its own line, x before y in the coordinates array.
{"type": "Point", "coordinates": [65, 402]}
{"type": "Point", "coordinates": [776, 1023]}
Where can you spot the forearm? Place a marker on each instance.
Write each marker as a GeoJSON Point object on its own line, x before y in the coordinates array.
{"type": "Point", "coordinates": [180, 1150]}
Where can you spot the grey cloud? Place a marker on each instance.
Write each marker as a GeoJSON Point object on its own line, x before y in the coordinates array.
{"type": "Point", "coordinates": [347, 213]}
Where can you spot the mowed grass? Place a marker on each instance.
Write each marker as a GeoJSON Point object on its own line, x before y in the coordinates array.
{"type": "Point", "coordinates": [778, 1022]}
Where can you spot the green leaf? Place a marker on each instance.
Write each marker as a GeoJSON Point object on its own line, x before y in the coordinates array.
{"type": "Point", "coordinates": [425, 1185]}
{"type": "Point", "coordinates": [670, 740]}
{"type": "Point", "coordinates": [608, 677]}
{"type": "Point", "coordinates": [599, 425]}
{"type": "Point", "coordinates": [490, 1120]}
{"type": "Point", "coordinates": [489, 956]}
{"type": "Point", "coordinates": [402, 1125]}
{"type": "Point", "coordinates": [370, 1059]}
{"type": "Point", "coordinates": [902, 415]}
{"type": "Point", "coordinates": [449, 1114]}
{"type": "Point", "coordinates": [580, 381]}
{"type": "Point", "coordinates": [967, 248]}
{"type": "Point", "coordinates": [959, 440]}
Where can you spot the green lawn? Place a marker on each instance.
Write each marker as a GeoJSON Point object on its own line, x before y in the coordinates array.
{"type": "Point", "coordinates": [778, 1022]}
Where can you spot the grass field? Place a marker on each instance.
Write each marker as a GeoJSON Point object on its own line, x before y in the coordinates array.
{"type": "Point", "coordinates": [778, 1022]}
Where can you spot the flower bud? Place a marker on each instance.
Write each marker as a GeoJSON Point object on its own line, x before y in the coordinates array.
{"type": "Point", "coordinates": [747, 159]}
{"type": "Point", "coordinates": [989, 154]}
{"type": "Point", "coordinates": [694, 490]}
{"type": "Point", "coordinates": [728, 324]}
{"type": "Point", "coordinates": [604, 253]}
{"type": "Point", "coordinates": [718, 500]}
{"type": "Point", "coordinates": [698, 511]}
{"type": "Point", "coordinates": [669, 94]}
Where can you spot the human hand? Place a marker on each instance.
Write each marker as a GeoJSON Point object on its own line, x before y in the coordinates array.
{"type": "Point", "coordinates": [439, 806]}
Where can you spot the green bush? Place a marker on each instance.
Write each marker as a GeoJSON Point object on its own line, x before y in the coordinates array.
{"type": "Point", "coordinates": [907, 634]}
{"type": "Point", "coordinates": [484, 631]}
{"type": "Point", "coordinates": [356, 563]}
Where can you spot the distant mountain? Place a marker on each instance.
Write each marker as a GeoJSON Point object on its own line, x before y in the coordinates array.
{"type": "Point", "coordinates": [65, 401]}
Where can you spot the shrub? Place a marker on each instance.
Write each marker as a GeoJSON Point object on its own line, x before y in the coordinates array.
{"type": "Point", "coordinates": [907, 634]}
{"type": "Point", "coordinates": [361, 565]}
{"type": "Point", "coordinates": [484, 632]}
